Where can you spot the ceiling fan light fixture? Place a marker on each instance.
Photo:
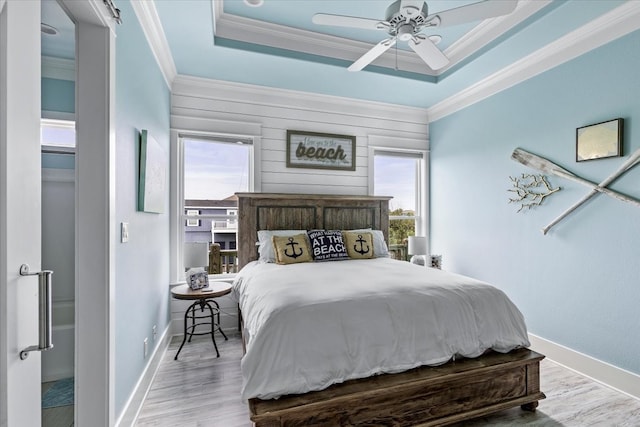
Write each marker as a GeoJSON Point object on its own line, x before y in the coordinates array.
{"type": "Point", "coordinates": [48, 29]}
{"type": "Point", "coordinates": [405, 32]}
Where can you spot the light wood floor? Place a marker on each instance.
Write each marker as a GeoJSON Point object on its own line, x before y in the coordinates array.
{"type": "Point", "coordinates": [199, 390]}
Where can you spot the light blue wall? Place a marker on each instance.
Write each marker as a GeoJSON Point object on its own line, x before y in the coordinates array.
{"type": "Point", "coordinates": [58, 161]}
{"type": "Point", "coordinates": [142, 264]}
{"type": "Point", "coordinates": [58, 95]}
{"type": "Point", "coordinates": [578, 286]}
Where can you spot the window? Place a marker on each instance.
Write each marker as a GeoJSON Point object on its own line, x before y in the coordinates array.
{"type": "Point", "coordinates": [402, 175]}
{"type": "Point", "coordinates": [193, 222]}
{"type": "Point", "coordinates": [58, 136]}
{"type": "Point", "coordinates": [213, 169]}
{"type": "Point", "coordinates": [232, 218]}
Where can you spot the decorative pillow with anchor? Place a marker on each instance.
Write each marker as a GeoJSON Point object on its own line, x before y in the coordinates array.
{"type": "Point", "coordinates": [359, 245]}
{"type": "Point", "coordinates": [327, 245]}
{"type": "Point", "coordinates": [291, 249]}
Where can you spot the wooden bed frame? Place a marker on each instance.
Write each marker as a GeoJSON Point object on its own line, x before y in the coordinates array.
{"type": "Point", "coordinates": [426, 396]}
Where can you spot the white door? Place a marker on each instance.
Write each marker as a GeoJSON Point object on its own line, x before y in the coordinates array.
{"type": "Point", "coordinates": [19, 210]}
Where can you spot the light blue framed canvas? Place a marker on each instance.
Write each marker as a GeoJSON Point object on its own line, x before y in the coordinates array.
{"type": "Point", "coordinates": [152, 181]}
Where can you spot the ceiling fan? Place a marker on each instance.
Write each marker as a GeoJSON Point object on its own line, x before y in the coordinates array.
{"type": "Point", "coordinates": [405, 20]}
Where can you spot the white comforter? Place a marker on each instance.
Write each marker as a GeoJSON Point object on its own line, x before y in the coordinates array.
{"type": "Point", "coordinates": [311, 325]}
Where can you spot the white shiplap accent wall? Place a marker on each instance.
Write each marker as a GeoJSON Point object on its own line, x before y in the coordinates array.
{"type": "Point", "coordinates": [241, 109]}
{"type": "Point", "coordinates": [202, 105]}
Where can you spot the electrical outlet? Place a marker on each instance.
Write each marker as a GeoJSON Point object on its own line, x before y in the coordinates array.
{"type": "Point", "coordinates": [155, 333]}
{"type": "Point", "coordinates": [124, 232]}
{"type": "Point", "coordinates": [146, 347]}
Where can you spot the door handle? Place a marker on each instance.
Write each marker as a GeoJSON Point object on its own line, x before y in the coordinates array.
{"type": "Point", "coordinates": [44, 310]}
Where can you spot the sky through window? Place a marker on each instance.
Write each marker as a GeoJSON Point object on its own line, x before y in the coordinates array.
{"type": "Point", "coordinates": [214, 170]}
{"type": "Point", "coordinates": [396, 176]}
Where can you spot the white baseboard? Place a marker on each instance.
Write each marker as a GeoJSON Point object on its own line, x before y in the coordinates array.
{"type": "Point", "coordinates": [611, 376]}
{"type": "Point", "coordinates": [136, 399]}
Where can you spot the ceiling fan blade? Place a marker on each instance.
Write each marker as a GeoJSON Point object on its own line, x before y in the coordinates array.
{"type": "Point", "coordinates": [474, 12]}
{"type": "Point", "coordinates": [372, 54]}
{"type": "Point", "coordinates": [429, 53]}
{"type": "Point", "coordinates": [348, 21]}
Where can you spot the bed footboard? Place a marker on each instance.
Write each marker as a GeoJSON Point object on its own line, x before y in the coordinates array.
{"type": "Point", "coordinates": [426, 396]}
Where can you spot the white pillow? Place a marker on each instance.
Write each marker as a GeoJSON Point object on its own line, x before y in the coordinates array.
{"type": "Point", "coordinates": [265, 245]}
{"type": "Point", "coordinates": [380, 249]}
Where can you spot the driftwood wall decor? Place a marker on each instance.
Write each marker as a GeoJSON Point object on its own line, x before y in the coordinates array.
{"type": "Point", "coordinates": [530, 190]}
{"type": "Point", "coordinates": [547, 166]}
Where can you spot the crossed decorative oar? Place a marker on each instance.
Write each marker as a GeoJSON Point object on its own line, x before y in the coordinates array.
{"type": "Point", "coordinates": [548, 166]}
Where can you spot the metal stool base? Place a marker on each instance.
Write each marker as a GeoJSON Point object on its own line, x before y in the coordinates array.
{"type": "Point", "coordinates": [214, 323]}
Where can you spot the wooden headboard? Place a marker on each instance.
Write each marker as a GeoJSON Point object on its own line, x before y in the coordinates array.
{"type": "Point", "coordinates": [270, 211]}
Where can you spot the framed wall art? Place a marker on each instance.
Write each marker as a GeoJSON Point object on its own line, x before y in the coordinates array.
{"type": "Point", "coordinates": [152, 181]}
{"type": "Point", "coordinates": [599, 141]}
{"type": "Point", "coordinates": [320, 150]}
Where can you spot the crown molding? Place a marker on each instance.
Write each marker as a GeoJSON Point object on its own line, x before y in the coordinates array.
{"type": "Point", "coordinates": [57, 115]}
{"type": "Point", "coordinates": [619, 22]}
{"type": "Point", "coordinates": [217, 10]}
{"type": "Point", "coordinates": [252, 31]}
{"type": "Point", "coordinates": [243, 92]}
{"type": "Point", "coordinates": [58, 68]}
{"type": "Point", "coordinates": [489, 30]}
{"type": "Point", "coordinates": [293, 39]}
{"type": "Point", "coordinates": [147, 15]}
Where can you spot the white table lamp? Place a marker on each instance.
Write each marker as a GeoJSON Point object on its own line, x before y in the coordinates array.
{"type": "Point", "coordinates": [417, 248]}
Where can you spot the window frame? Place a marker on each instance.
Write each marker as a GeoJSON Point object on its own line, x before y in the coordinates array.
{"type": "Point", "coordinates": [177, 209]}
{"type": "Point", "coordinates": [421, 216]}
{"type": "Point", "coordinates": [232, 218]}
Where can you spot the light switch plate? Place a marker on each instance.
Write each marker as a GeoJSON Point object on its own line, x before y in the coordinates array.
{"type": "Point", "coordinates": [124, 233]}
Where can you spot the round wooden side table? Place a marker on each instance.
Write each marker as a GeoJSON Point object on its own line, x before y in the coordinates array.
{"type": "Point", "coordinates": [203, 298]}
